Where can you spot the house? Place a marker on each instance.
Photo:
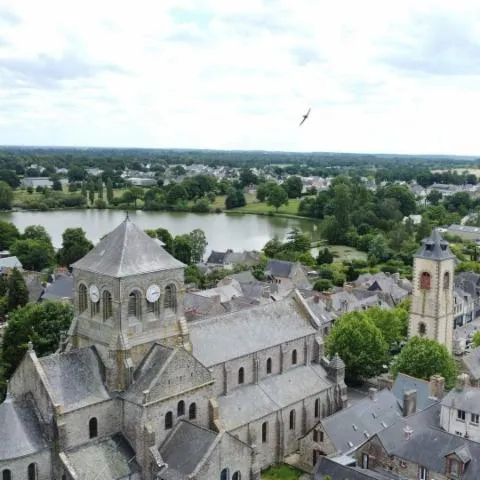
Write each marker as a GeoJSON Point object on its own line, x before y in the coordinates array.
{"type": "Point", "coordinates": [415, 448]}
{"type": "Point", "coordinates": [460, 410]}
{"type": "Point", "coordinates": [343, 432]}
{"type": "Point", "coordinates": [216, 258]}
{"type": "Point", "coordinates": [36, 182]}
{"type": "Point", "coordinates": [463, 307]}
{"type": "Point", "coordinates": [427, 393]}
{"type": "Point", "coordinates": [326, 317]}
{"type": "Point", "coordinates": [392, 285]}
{"type": "Point", "coordinates": [467, 232]}
{"type": "Point", "coordinates": [286, 274]}
{"type": "Point", "coordinates": [471, 362]}
{"type": "Point", "coordinates": [9, 263]}
{"type": "Point", "coordinates": [470, 283]}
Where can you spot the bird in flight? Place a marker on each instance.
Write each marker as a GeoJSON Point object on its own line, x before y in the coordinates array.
{"type": "Point", "coordinates": [305, 117]}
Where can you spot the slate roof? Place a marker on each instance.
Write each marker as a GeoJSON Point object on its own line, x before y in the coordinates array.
{"type": "Point", "coordinates": [318, 308]}
{"type": "Point", "coordinates": [235, 334]}
{"type": "Point", "coordinates": [20, 430]}
{"type": "Point", "coordinates": [367, 415]}
{"type": "Point", "coordinates": [251, 402]}
{"type": "Point", "coordinates": [185, 448]}
{"type": "Point", "coordinates": [467, 399]}
{"type": "Point", "coordinates": [61, 288]}
{"type": "Point", "coordinates": [110, 458]}
{"type": "Point", "coordinates": [76, 378]}
{"type": "Point", "coordinates": [325, 466]}
{"type": "Point", "coordinates": [9, 262]}
{"type": "Point", "coordinates": [217, 257]}
{"type": "Point", "coordinates": [242, 277]}
{"type": "Point", "coordinates": [434, 248]}
{"type": "Point", "coordinates": [403, 383]}
{"type": "Point", "coordinates": [279, 268]}
{"type": "Point", "coordinates": [126, 251]}
{"type": "Point", "coordinates": [428, 445]}
{"type": "Point", "coordinates": [472, 362]}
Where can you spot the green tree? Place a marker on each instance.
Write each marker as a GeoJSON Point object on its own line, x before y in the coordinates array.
{"type": "Point", "coordinates": [324, 256]}
{"type": "Point", "coordinates": [84, 189]}
{"type": "Point", "coordinates": [33, 254]}
{"type": "Point", "coordinates": [75, 245]}
{"type": "Point", "coordinates": [6, 196]}
{"type": "Point", "coordinates": [235, 199]}
{"type": "Point", "coordinates": [10, 177]}
{"type": "Point", "coordinates": [56, 184]}
{"type": "Point", "coordinates": [100, 188]}
{"type": "Point", "coordinates": [182, 249]}
{"type": "Point", "coordinates": [391, 323]}
{"type": "Point", "coordinates": [176, 194]}
{"type": "Point", "coordinates": [293, 186]}
{"type": "Point", "coordinates": [109, 190]}
{"type": "Point", "coordinates": [322, 284]}
{"type": "Point", "coordinates": [422, 358]}
{"type": "Point", "coordinates": [277, 197]}
{"type": "Point", "coordinates": [262, 191]}
{"type": "Point", "coordinates": [136, 193]}
{"type": "Point", "coordinates": [297, 241]}
{"type": "Point", "coordinates": [247, 177]}
{"type": "Point", "coordinates": [8, 234]}
{"type": "Point", "coordinates": [91, 191]}
{"type": "Point", "coordinates": [76, 174]}
{"type": "Point", "coordinates": [37, 232]}
{"type": "Point", "coordinates": [17, 290]}
{"type": "Point", "coordinates": [40, 323]}
{"type": "Point", "coordinates": [198, 244]}
{"type": "Point", "coordinates": [360, 344]}
{"type": "Point", "coordinates": [434, 197]}
{"type": "Point", "coordinates": [476, 339]}
{"type": "Point", "coordinates": [166, 237]}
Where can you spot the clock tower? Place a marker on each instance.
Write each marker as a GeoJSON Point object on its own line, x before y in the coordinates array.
{"type": "Point", "coordinates": [128, 294]}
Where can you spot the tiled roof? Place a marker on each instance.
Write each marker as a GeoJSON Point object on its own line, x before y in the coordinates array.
{"type": "Point", "coordinates": [126, 251]}
{"type": "Point", "coordinates": [434, 248]}
{"type": "Point", "coordinates": [404, 383]}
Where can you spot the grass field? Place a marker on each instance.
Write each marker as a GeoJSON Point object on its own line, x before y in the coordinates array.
{"type": "Point", "coordinates": [346, 253]}
{"type": "Point", "coordinates": [262, 207]}
{"type": "Point", "coordinates": [281, 472]}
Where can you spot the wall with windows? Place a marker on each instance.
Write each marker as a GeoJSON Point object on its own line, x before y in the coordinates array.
{"type": "Point", "coordinates": [33, 467]}
{"type": "Point", "coordinates": [461, 422]}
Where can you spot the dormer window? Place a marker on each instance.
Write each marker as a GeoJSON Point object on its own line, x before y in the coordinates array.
{"type": "Point", "coordinates": [454, 467]}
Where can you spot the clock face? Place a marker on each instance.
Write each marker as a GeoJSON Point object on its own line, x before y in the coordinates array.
{"type": "Point", "coordinates": [153, 293]}
{"type": "Point", "coordinates": [94, 293]}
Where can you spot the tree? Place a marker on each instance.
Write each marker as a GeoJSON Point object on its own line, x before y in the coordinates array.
{"type": "Point", "coordinates": [247, 177]}
{"type": "Point", "coordinates": [6, 196]}
{"type": "Point", "coordinates": [324, 256]}
{"type": "Point", "coordinates": [198, 244]}
{"type": "Point", "coordinates": [182, 249]}
{"type": "Point", "coordinates": [76, 174]}
{"type": "Point", "coordinates": [422, 358]}
{"type": "Point", "coordinates": [84, 190]}
{"type": "Point", "coordinates": [476, 339]}
{"type": "Point", "coordinates": [277, 197]}
{"type": "Point", "coordinates": [40, 323]}
{"type": "Point", "coordinates": [10, 177]}
{"type": "Point", "coordinates": [56, 184]}
{"type": "Point", "coordinates": [75, 245]}
{"type": "Point", "coordinates": [360, 345]}
{"type": "Point", "coordinates": [8, 234]}
{"type": "Point", "coordinates": [392, 323]}
{"type": "Point", "coordinates": [109, 190]}
{"type": "Point", "coordinates": [293, 186]}
{"type": "Point", "coordinates": [434, 197]}
{"type": "Point", "coordinates": [91, 191]}
{"type": "Point", "coordinates": [235, 199]}
{"type": "Point", "coordinates": [33, 254]}
{"type": "Point", "coordinates": [262, 191]}
{"type": "Point", "coordinates": [297, 241]}
{"type": "Point", "coordinates": [322, 284]}
{"type": "Point", "coordinates": [176, 194]}
{"type": "Point", "coordinates": [37, 232]}
{"type": "Point", "coordinates": [17, 290]}
{"type": "Point", "coordinates": [166, 237]}
{"type": "Point", "coordinates": [100, 188]}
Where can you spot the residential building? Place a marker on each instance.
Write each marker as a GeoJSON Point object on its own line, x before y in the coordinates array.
{"type": "Point", "coordinates": [286, 275]}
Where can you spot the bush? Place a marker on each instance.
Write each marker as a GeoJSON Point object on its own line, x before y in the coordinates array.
{"type": "Point", "coordinates": [100, 203]}
{"type": "Point", "coordinates": [322, 284]}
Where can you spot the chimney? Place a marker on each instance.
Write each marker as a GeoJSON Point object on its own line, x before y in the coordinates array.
{"type": "Point", "coordinates": [437, 386]}
{"type": "Point", "coordinates": [328, 301]}
{"type": "Point", "coordinates": [372, 393]}
{"type": "Point", "coordinates": [409, 402]}
{"type": "Point", "coordinates": [316, 298]}
{"type": "Point", "coordinates": [462, 382]}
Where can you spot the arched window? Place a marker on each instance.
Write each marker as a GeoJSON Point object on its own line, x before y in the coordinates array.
{"type": "Point", "coordinates": [269, 365]}
{"type": "Point", "coordinates": [32, 471]}
{"type": "Point", "coordinates": [264, 432]}
{"type": "Point", "coordinates": [168, 420]}
{"type": "Point", "coordinates": [422, 329]}
{"type": "Point", "coordinates": [82, 298]}
{"type": "Point", "coordinates": [154, 307]}
{"type": "Point", "coordinates": [192, 411]}
{"type": "Point", "coordinates": [294, 357]}
{"type": "Point", "coordinates": [107, 304]}
{"type": "Point", "coordinates": [181, 408]}
{"type": "Point", "coordinates": [425, 281]}
{"type": "Point", "coordinates": [94, 308]}
{"type": "Point", "coordinates": [292, 419]}
{"type": "Point", "coordinates": [241, 375]}
{"type": "Point", "coordinates": [7, 475]}
{"type": "Point", "coordinates": [170, 299]}
{"type": "Point", "coordinates": [225, 475]}
{"type": "Point", "coordinates": [134, 304]}
{"type": "Point", "coordinates": [317, 408]}
{"type": "Point", "coordinates": [237, 476]}
{"type": "Point", "coordinates": [93, 427]}
{"type": "Point", "coordinates": [446, 280]}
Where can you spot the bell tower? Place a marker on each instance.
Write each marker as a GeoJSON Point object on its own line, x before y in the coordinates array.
{"type": "Point", "coordinates": [128, 294]}
{"type": "Point", "coordinates": [431, 312]}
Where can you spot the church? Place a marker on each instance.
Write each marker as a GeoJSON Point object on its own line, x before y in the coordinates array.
{"type": "Point", "coordinates": [137, 392]}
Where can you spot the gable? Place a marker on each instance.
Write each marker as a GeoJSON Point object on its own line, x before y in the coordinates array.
{"type": "Point", "coordinates": [166, 372]}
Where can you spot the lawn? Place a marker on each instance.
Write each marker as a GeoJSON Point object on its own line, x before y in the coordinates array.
{"type": "Point", "coordinates": [344, 253]}
{"type": "Point", "coordinates": [262, 207]}
{"type": "Point", "coordinates": [281, 472]}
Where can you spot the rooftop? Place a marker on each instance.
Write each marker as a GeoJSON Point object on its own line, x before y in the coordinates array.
{"type": "Point", "coordinates": [434, 248]}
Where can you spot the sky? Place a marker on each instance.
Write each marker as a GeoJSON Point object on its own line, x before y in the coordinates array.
{"type": "Point", "coordinates": [380, 76]}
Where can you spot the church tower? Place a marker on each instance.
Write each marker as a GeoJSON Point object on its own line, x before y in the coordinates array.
{"type": "Point", "coordinates": [431, 312]}
{"type": "Point", "coordinates": [128, 294]}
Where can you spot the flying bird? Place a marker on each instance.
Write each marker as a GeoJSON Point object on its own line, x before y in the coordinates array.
{"type": "Point", "coordinates": [305, 117]}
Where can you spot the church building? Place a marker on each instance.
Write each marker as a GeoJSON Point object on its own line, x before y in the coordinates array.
{"type": "Point", "coordinates": [137, 392]}
{"type": "Point", "coordinates": [431, 312]}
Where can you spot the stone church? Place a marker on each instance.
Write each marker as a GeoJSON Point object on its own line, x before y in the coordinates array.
{"type": "Point", "coordinates": [136, 392]}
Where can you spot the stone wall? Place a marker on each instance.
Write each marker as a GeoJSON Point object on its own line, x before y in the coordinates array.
{"type": "Point", "coordinates": [19, 467]}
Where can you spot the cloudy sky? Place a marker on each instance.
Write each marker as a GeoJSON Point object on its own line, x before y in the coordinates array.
{"type": "Point", "coordinates": [380, 76]}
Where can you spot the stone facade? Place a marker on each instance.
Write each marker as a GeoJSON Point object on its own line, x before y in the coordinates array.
{"type": "Point", "coordinates": [135, 379]}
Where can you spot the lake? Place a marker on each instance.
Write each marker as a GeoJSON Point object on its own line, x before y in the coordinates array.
{"type": "Point", "coordinates": [223, 231]}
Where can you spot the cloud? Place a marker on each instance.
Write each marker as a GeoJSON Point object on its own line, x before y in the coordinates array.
{"type": "Point", "coordinates": [379, 76]}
